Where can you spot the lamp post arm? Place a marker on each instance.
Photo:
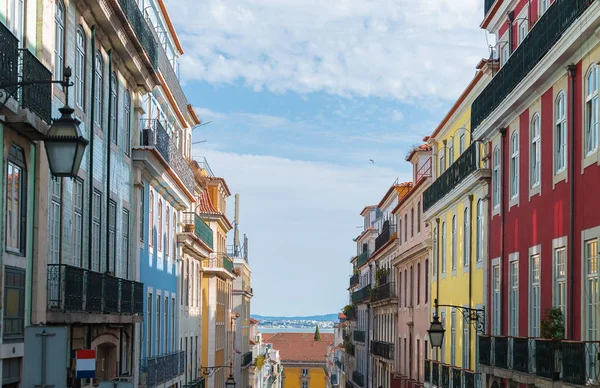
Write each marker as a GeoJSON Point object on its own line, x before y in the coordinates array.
{"type": "Point", "coordinates": [470, 316]}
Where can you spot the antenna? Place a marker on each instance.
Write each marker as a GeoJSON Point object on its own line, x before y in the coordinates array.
{"type": "Point", "coordinates": [236, 221]}
{"type": "Point", "coordinates": [201, 125]}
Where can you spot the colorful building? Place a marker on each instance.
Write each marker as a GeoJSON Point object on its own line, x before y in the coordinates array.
{"type": "Point", "coordinates": [538, 117]}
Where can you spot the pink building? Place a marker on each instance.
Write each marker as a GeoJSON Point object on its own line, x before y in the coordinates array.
{"type": "Point", "coordinates": [411, 265]}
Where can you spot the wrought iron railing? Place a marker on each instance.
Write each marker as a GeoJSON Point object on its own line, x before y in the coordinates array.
{"type": "Point", "coordinates": [543, 36]}
{"type": "Point", "coordinates": [349, 384]}
{"type": "Point", "coordinates": [362, 295]}
{"type": "Point", "coordinates": [354, 280]}
{"type": "Point", "coordinates": [165, 67]}
{"type": "Point", "coordinates": [427, 371]}
{"type": "Point", "coordinates": [456, 376]}
{"type": "Point", "coordinates": [485, 350]}
{"type": "Point", "coordinates": [387, 232]}
{"type": "Point", "coordinates": [470, 379]}
{"type": "Point", "coordinates": [358, 379]}
{"type": "Point", "coordinates": [359, 336]}
{"type": "Point", "coordinates": [193, 221]}
{"type": "Point", "coordinates": [154, 135]}
{"type": "Point", "coordinates": [161, 369]}
{"type": "Point", "coordinates": [142, 30]}
{"type": "Point", "coordinates": [246, 359]}
{"type": "Point", "coordinates": [466, 164]}
{"type": "Point", "coordinates": [9, 55]}
{"type": "Point", "coordinates": [424, 171]}
{"type": "Point", "coordinates": [445, 375]}
{"type": "Point", "coordinates": [75, 289]}
{"type": "Point", "coordinates": [362, 258]}
{"type": "Point", "coordinates": [220, 261]}
{"type": "Point", "coordinates": [501, 352]}
{"type": "Point", "coordinates": [435, 373]}
{"type": "Point", "coordinates": [487, 5]}
{"type": "Point", "coordinates": [386, 291]}
{"type": "Point", "coordinates": [38, 97]}
{"type": "Point", "coordinates": [382, 349]}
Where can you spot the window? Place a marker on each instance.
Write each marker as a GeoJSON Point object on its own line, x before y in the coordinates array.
{"type": "Point", "coordinates": [523, 30]}
{"type": "Point", "coordinates": [412, 222]}
{"type": "Point", "coordinates": [114, 86]}
{"type": "Point", "coordinates": [96, 214]}
{"type": "Point", "coordinates": [536, 151]}
{"type": "Point", "coordinates": [591, 110]}
{"type": "Point", "coordinates": [174, 235]}
{"type": "Point", "coordinates": [479, 239]}
{"type": "Point", "coordinates": [443, 247]}
{"type": "Point", "coordinates": [418, 283]}
{"type": "Point", "coordinates": [304, 371]}
{"type": "Point", "coordinates": [513, 300]}
{"type": "Point", "coordinates": [465, 347]}
{"type": "Point", "coordinates": [560, 279]}
{"type": "Point", "coordinates": [406, 227]}
{"type": "Point", "coordinates": [514, 165]}
{"type": "Point", "coordinates": [461, 144]}
{"type": "Point", "coordinates": [14, 18]}
{"type": "Point", "coordinates": [544, 5]}
{"type": "Point", "coordinates": [400, 230]}
{"type": "Point", "coordinates": [534, 308]}
{"type": "Point", "coordinates": [158, 330]}
{"type": "Point", "coordinates": [59, 40]}
{"type": "Point", "coordinates": [55, 219]}
{"type": "Point", "coordinates": [160, 227]}
{"type": "Point", "coordinates": [436, 250]}
{"type": "Point", "coordinates": [405, 287]}
{"type": "Point", "coordinates": [442, 163]}
{"type": "Point", "coordinates": [505, 53]}
{"type": "Point", "coordinates": [80, 69]}
{"type": "Point", "coordinates": [496, 300]}
{"type": "Point", "coordinates": [426, 280]}
{"type": "Point", "coordinates": [166, 331]}
{"type": "Point", "coordinates": [141, 213]}
{"type": "Point", "coordinates": [14, 302]}
{"type": "Point", "coordinates": [561, 133]}
{"type": "Point", "coordinates": [496, 176]}
{"type": "Point", "coordinates": [125, 243]}
{"type": "Point", "coordinates": [16, 192]}
{"type": "Point", "coordinates": [172, 324]}
{"type": "Point", "coordinates": [77, 222]}
{"type": "Point", "coordinates": [127, 124]}
{"type": "Point", "coordinates": [112, 232]}
{"type": "Point", "coordinates": [151, 219]}
{"type": "Point", "coordinates": [98, 69]}
{"type": "Point", "coordinates": [592, 300]}
{"type": "Point", "coordinates": [450, 151]}
{"type": "Point", "coordinates": [149, 320]}
{"type": "Point", "coordinates": [411, 287]}
{"type": "Point", "coordinates": [453, 337]}
{"type": "Point", "coordinates": [466, 238]}
{"type": "Point", "coordinates": [167, 217]}
{"type": "Point", "coordinates": [419, 217]}
{"type": "Point", "coordinates": [454, 231]}
{"type": "Point", "coordinates": [304, 384]}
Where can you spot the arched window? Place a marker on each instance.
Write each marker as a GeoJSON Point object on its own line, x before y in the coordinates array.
{"type": "Point", "coordinates": [591, 110]}
{"type": "Point", "coordinates": [98, 70]}
{"type": "Point", "coordinates": [114, 87]}
{"type": "Point", "coordinates": [514, 165]}
{"type": "Point", "coordinates": [453, 258]}
{"type": "Point", "coordinates": [160, 226]}
{"type": "Point", "coordinates": [496, 175]}
{"type": "Point", "coordinates": [151, 219]}
{"type": "Point", "coordinates": [127, 124]}
{"type": "Point", "coordinates": [168, 226]}
{"type": "Point", "coordinates": [466, 237]}
{"type": "Point", "coordinates": [443, 247]}
{"type": "Point", "coordinates": [560, 136]}
{"type": "Point", "coordinates": [80, 69]}
{"type": "Point", "coordinates": [479, 238]}
{"type": "Point", "coordinates": [59, 40]}
{"type": "Point", "coordinates": [536, 151]}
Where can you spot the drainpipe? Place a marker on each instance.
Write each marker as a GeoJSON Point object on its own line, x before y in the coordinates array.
{"type": "Point", "coordinates": [91, 161]}
{"type": "Point", "coordinates": [502, 223]}
{"type": "Point", "coordinates": [108, 139]}
{"type": "Point", "coordinates": [437, 281]}
{"type": "Point", "coordinates": [511, 19]}
{"type": "Point", "coordinates": [471, 269]}
{"type": "Point", "coordinates": [572, 70]}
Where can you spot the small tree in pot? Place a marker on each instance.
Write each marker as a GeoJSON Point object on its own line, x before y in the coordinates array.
{"type": "Point", "coordinates": [552, 327]}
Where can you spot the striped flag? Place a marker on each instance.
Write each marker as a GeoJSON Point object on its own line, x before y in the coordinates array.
{"type": "Point", "coordinates": [85, 364]}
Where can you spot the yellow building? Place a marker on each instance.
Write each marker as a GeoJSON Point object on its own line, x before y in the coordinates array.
{"type": "Point", "coordinates": [455, 206]}
{"type": "Point", "coordinates": [303, 359]}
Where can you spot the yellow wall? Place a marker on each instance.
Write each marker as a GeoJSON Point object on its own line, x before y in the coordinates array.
{"type": "Point", "coordinates": [293, 377]}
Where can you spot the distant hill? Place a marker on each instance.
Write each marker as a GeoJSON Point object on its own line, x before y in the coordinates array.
{"type": "Point", "coordinates": [319, 318]}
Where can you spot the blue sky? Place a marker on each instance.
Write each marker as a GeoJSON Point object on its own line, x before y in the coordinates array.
{"type": "Point", "coordinates": [300, 95]}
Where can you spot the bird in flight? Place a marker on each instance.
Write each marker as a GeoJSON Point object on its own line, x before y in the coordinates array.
{"type": "Point", "coordinates": [372, 161]}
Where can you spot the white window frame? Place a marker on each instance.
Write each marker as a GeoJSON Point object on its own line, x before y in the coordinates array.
{"type": "Point", "coordinates": [14, 17]}
{"type": "Point", "coordinates": [513, 299]}
{"type": "Point", "coordinates": [480, 231]}
{"type": "Point", "coordinates": [591, 111]}
{"type": "Point", "coordinates": [534, 291]}
{"type": "Point", "coordinates": [514, 165]}
{"type": "Point", "coordinates": [466, 236]}
{"type": "Point", "coordinates": [496, 297]}
{"type": "Point", "coordinates": [80, 68]}
{"type": "Point", "coordinates": [536, 151]}
{"type": "Point", "coordinates": [443, 247]}
{"type": "Point", "coordinates": [505, 53]}
{"type": "Point", "coordinates": [98, 77]}
{"type": "Point", "coordinates": [454, 243]}
{"type": "Point", "coordinates": [544, 5]}
{"type": "Point", "coordinates": [450, 151]}
{"type": "Point", "coordinates": [523, 30]}
{"type": "Point", "coordinates": [560, 133]}
{"type": "Point", "coordinates": [559, 278]}
{"type": "Point", "coordinates": [453, 337]}
{"type": "Point", "coordinates": [496, 160]}
{"type": "Point", "coordinates": [592, 300]}
{"type": "Point", "coordinates": [60, 14]}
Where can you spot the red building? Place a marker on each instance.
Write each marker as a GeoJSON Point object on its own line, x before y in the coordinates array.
{"type": "Point", "coordinates": [539, 115]}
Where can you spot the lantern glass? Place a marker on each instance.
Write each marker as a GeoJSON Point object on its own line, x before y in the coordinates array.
{"type": "Point", "coordinates": [65, 145]}
{"type": "Point", "coordinates": [230, 383]}
{"type": "Point", "coordinates": [436, 333]}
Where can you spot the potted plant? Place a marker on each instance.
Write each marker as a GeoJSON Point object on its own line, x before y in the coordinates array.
{"type": "Point", "coordinates": [552, 328]}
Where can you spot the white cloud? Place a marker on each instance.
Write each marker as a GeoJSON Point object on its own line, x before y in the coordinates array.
{"type": "Point", "coordinates": [207, 114]}
{"type": "Point", "coordinates": [396, 115]}
{"type": "Point", "coordinates": [391, 48]}
{"type": "Point", "coordinates": [300, 218]}
{"type": "Point", "coordinates": [264, 121]}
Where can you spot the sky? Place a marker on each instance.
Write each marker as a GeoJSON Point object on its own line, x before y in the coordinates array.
{"type": "Point", "coordinates": [300, 94]}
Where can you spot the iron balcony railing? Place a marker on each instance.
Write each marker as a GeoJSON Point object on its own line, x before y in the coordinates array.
{"type": "Point", "coordinates": [464, 166]}
{"type": "Point", "coordinates": [246, 359]}
{"type": "Point", "coordinates": [445, 375]}
{"type": "Point", "coordinates": [194, 223]}
{"type": "Point", "coordinates": [435, 373]}
{"type": "Point", "coordinates": [362, 258]}
{"type": "Point", "coordinates": [218, 262]}
{"type": "Point", "coordinates": [154, 135]}
{"type": "Point", "coordinates": [543, 36]}
{"type": "Point", "coordinates": [382, 349]}
{"type": "Point", "coordinates": [386, 234]}
{"type": "Point", "coordinates": [362, 295]}
{"type": "Point", "coordinates": [424, 171]}
{"type": "Point", "coordinates": [75, 289]}
{"type": "Point", "coordinates": [575, 362]}
{"type": "Point", "coordinates": [353, 280]}
{"type": "Point", "coordinates": [142, 30]}
{"type": "Point", "coordinates": [161, 369]}
{"type": "Point", "coordinates": [456, 376]}
{"type": "Point", "coordinates": [427, 371]}
{"type": "Point", "coordinates": [358, 379]}
{"type": "Point", "coordinates": [383, 292]}
{"type": "Point", "coordinates": [9, 55]}
{"type": "Point", "coordinates": [487, 5]}
{"type": "Point", "coordinates": [349, 384]}
{"type": "Point", "coordinates": [165, 67]}
{"type": "Point", "coordinates": [359, 336]}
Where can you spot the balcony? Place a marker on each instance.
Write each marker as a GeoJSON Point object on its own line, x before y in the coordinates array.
{"type": "Point", "coordinates": [220, 265]}
{"type": "Point", "coordinates": [349, 347]}
{"type": "Point", "coordinates": [382, 349]}
{"type": "Point", "coordinates": [362, 258]}
{"type": "Point", "coordinates": [358, 379]}
{"type": "Point", "coordinates": [463, 167]}
{"type": "Point", "coordinates": [78, 290]}
{"type": "Point", "coordinates": [334, 380]}
{"type": "Point", "coordinates": [573, 362]}
{"type": "Point", "coordinates": [161, 369]}
{"type": "Point", "coordinates": [350, 313]}
{"type": "Point", "coordinates": [424, 171]}
{"type": "Point", "coordinates": [171, 80]}
{"type": "Point", "coordinates": [141, 29]}
{"type": "Point", "coordinates": [193, 223]}
{"type": "Point", "coordinates": [387, 233]}
{"type": "Point", "coordinates": [359, 336]}
{"type": "Point", "coordinates": [543, 36]}
{"type": "Point", "coordinates": [386, 292]}
{"type": "Point", "coordinates": [246, 359]}
{"type": "Point", "coordinates": [349, 384]}
{"type": "Point", "coordinates": [155, 137]}
{"type": "Point", "coordinates": [362, 295]}
{"type": "Point", "coordinates": [354, 280]}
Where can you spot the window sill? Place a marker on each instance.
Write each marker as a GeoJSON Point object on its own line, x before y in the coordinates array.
{"type": "Point", "coordinates": [559, 176]}
{"type": "Point", "coordinates": [589, 159]}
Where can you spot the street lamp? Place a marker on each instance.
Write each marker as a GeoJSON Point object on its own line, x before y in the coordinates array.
{"type": "Point", "coordinates": [230, 383]}
{"type": "Point", "coordinates": [471, 316]}
{"type": "Point", "coordinates": [436, 332]}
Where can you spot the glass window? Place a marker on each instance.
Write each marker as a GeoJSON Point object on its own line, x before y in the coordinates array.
{"type": "Point", "coordinates": [112, 233]}
{"type": "Point", "coordinates": [514, 165]}
{"type": "Point", "coordinates": [80, 69]}
{"type": "Point", "coordinates": [16, 192]}
{"type": "Point", "coordinates": [98, 70]}
{"type": "Point", "coordinates": [158, 322]}
{"type": "Point", "coordinates": [560, 279]}
{"type": "Point", "coordinates": [453, 337]}
{"type": "Point", "coordinates": [443, 247]}
{"type": "Point", "coordinates": [159, 222]}
{"type": "Point", "coordinates": [593, 297]}
{"type": "Point", "coordinates": [77, 222]}
{"type": "Point", "coordinates": [453, 258]}
{"type": "Point", "coordinates": [561, 133]}
{"type": "Point", "coordinates": [436, 250]}
{"type": "Point", "coordinates": [149, 320]}
{"type": "Point", "coordinates": [450, 151]}
{"type": "Point", "coordinates": [496, 176]}
{"type": "Point", "coordinates": [125, 243]}
{"type": "Point", "coordinates": [442, 163]}
{"type": "Point", "coordinates": [168, 227]}
{"type": "Point", "coordinates": [534, 281]}
{"type": "Point", "coordinates": [114, 87]}
{"type": "Point", "coordinates": [14, 302]}
{"type": "Point", "coordinates": [461, 144]}
{"type": "Point", "coordinates": [465, 347]}
{"type": "Point", "coordinates": [151, 219]}
{"type": "Point", "coordinates": [505, 50]}
{"type": "Point", "coordinates": [406, 227]}
{"type": "Point", "coordinates": [127, 124]}
{"type": "Point", "coordinates": [418, 283]}
{"type": "Point", "coordinates": [523, 30]}
{"type": "Point", "coordinates": [14, 17]}
{"type": "Point", "coordinates": [536, 151]}
{"type": "Point", "coordinates": [479, 239]}
{"type": "Point", "coordinates": [514, 298]}
{"type": "Point", "coordinates": [59, 40]}
{"type": "Point", "coordinates": [426, 280]}
{"type": "Point", "coordinates": [544, 5]}
{"type": "Point", "coordinates": [412, 222]}
{"type": "Point", "coordinates": [466, 238]}
{"type": "Point", "coordinates": [419, 217]}
{"type": "Point", "coordinates": [591, 108]}
{"type": "Point", "coordinates": [141, 213]}
{"type": "Point", "coordinates": [496, 300]}
{"type": "Point", "coordinates": [55, 219]}
{"type": "Point", "coordinates": [96, 218]}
